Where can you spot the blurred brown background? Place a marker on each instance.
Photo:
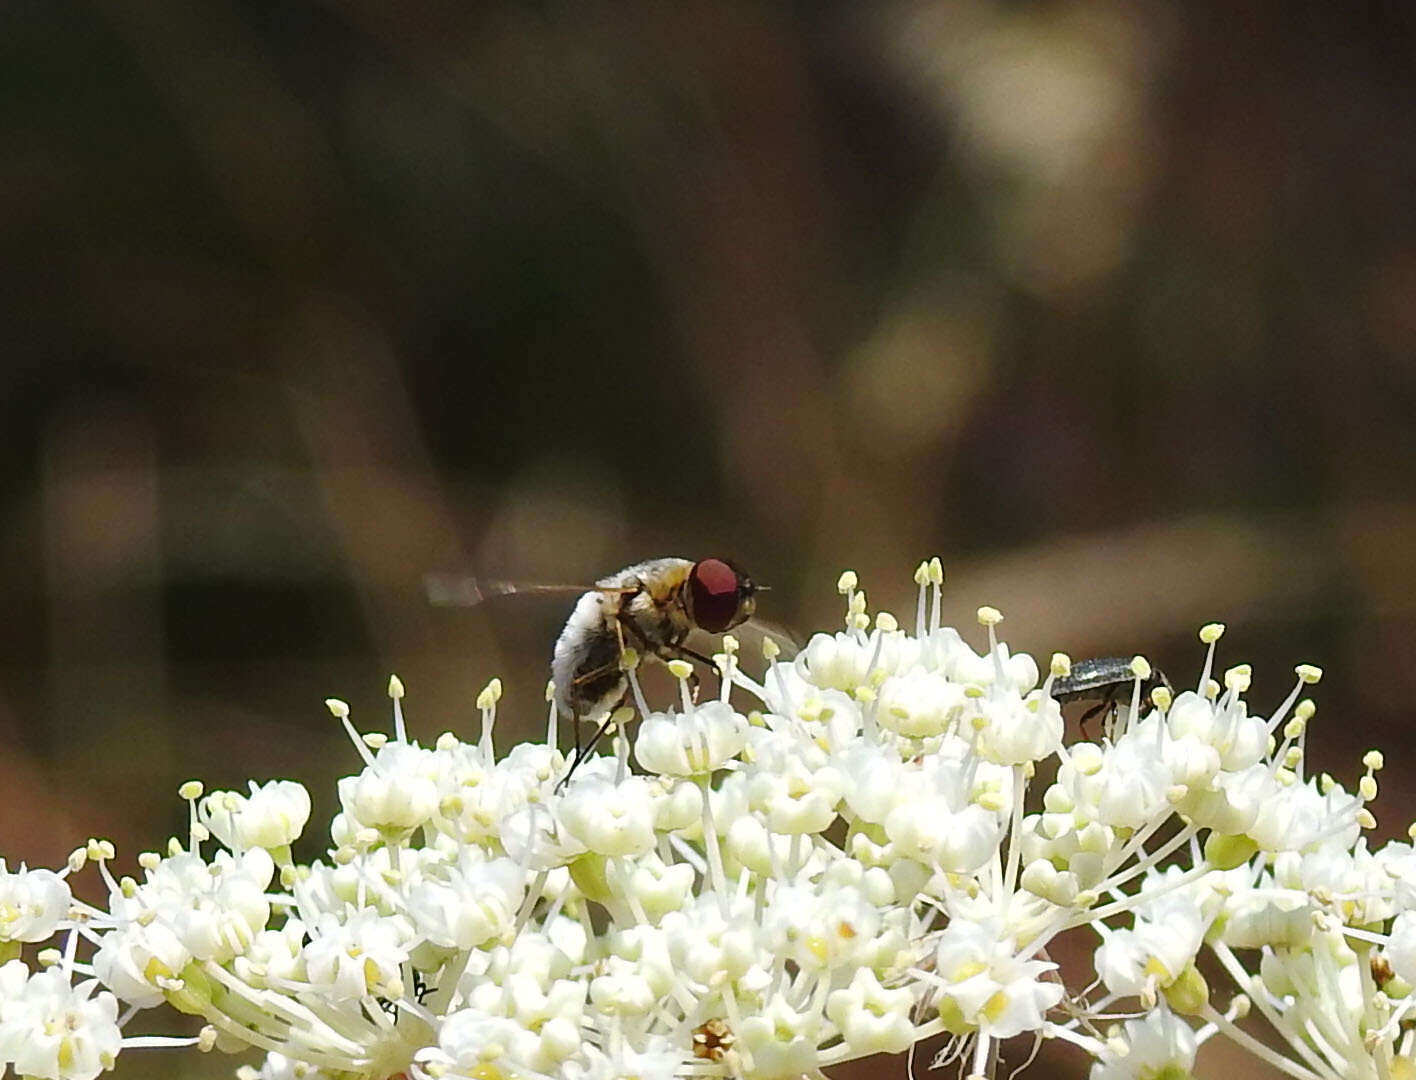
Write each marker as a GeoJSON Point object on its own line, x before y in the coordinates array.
{"type": "Point", "coordinates": [1112, 305]}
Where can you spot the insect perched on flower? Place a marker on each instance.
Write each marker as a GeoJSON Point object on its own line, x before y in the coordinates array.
{"type": "Point", "coordinates": [1102, 681]}
{"type": "Point", "coordinates": [651, 607]}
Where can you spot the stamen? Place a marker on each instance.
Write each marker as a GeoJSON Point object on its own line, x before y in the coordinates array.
{"type": "Point", "coordinates": [395, 691]}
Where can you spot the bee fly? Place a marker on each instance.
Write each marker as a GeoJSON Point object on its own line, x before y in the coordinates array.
{"type": "Point", "coordinates": [651, 606]}
{"type": "Point", "coordinates": [1102, 681]}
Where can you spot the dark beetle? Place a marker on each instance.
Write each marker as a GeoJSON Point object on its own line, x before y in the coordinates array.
{"type": "Point", "coordinates": [1105, 680]}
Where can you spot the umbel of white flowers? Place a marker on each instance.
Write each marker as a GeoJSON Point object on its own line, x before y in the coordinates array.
{"type": "Point", "coordinates": [874, 844]}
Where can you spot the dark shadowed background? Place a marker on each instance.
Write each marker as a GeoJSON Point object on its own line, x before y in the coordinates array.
{"type": "Point", "coordinates": [1111, 305]}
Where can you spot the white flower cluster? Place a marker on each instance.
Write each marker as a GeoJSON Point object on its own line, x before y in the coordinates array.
{"type": "Point", "coordinates": [874, 845]}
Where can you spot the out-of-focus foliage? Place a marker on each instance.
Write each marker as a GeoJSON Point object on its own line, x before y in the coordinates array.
{"type": "Point", "coordinates": [1112, 305]}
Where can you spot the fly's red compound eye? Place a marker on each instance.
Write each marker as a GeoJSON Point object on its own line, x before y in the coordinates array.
{"type": "Point", "coordinates": [715, 591]}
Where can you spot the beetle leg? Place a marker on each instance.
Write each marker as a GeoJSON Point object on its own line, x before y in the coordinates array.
{"type": "Point", "coordinates": [1101, 706]}
{"type": "Point", "coordinates": [1107, 704]}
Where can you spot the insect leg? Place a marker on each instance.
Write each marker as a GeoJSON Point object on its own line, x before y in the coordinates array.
{"type": "Point", "coordinates": [1108, 705]}
{"type": "Point", "coordinates": [668, 650]}
{"type": "Point", "coordinates": [681, 652]}
{"type": "Point", "coordinates": [1098, 708]}
{"type": "Point", "coordinates": [581, 753]}
{"type": "Point", "coordinates": [673, 651]}
{"type": "Point", "coordinates": [624, 625]}
{"type": "Point", "coordinates": [595, 673]}
{"type": "Point", "coordinates": [1109, 699]}
{"type": "Point", "coordinates": [599, 731]}
{"type": "Point", "coordinates": [577, 704]}
{"type": "Point", "coordinates": [665, 651]}
{"type": "Point", "coordinates": [621, 625]}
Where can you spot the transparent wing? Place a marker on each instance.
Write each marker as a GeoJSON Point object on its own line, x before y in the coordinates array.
{"type": "Point", "coordinates": [753, 632]}
{"type": "Point", "coordinates": [790, 641]}
{"type": "Point", "coordinates": [467, 590]}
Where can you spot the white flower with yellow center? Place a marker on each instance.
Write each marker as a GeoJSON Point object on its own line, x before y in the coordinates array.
{"type": "Point", "coordinates": [32, 903]}
{"type": "Point", "coordinates": [51, 1029]}
{"type": "Point", "coordinates": [273, 816]}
